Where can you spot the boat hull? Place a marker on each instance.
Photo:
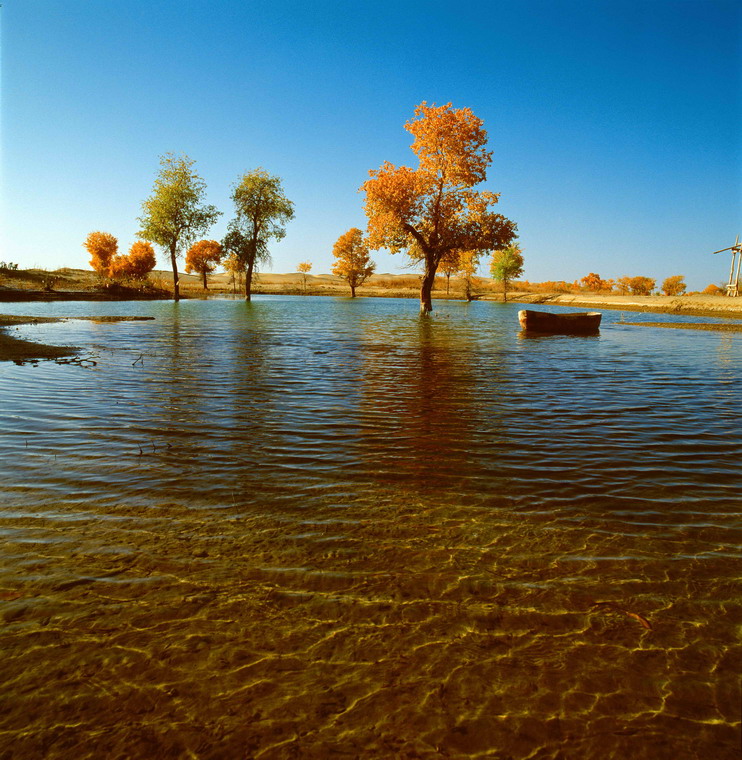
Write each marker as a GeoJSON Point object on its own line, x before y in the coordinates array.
{"type": "Point", "coordinates": [548, 323]}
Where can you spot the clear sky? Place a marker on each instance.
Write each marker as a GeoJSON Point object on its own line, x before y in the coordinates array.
{"type": "Point", "coordinates": [615, 124]}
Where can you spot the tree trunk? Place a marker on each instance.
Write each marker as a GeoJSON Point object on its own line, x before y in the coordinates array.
{"type": "Point", "coordinates": [352, 291]}
{"type": "Point", "coordinates": [176, 281]}
{"type": "Point", "coordinates": [248, 279]}
{"type": "Point", "coordinates": [206, 287]}
{"type": "Point", "coordinates": [504, 291]}
{"type": "Point", "coordinates": [448, 283]}
{"type": "Point", "coordinates": [426, 303]}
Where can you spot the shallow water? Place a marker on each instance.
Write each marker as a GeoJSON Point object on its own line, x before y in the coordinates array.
{"type": "Point", "coordinates": [318, 527]}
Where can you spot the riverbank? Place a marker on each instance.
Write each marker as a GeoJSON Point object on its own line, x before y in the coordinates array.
{"type": "Point", "coordinates": [693, 306]}
{"type": "Point", "coordinates": [84, 285]}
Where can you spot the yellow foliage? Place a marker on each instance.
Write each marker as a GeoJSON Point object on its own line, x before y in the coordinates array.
{"type": "Point", "coordinates": [352, 261]}
{"type": "Point", "coordinates": [432, 211]}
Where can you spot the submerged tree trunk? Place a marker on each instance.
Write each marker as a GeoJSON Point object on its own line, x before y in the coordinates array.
{"type": "Point", "coordinates": [426, 303]}
{"type": "Point", "coordinates": [176, 281]}
{"type": "Point", "coordinates": [248, 279]}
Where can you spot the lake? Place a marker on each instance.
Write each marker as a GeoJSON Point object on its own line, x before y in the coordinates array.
{"type": "Point", "coordinates": [323, 527]}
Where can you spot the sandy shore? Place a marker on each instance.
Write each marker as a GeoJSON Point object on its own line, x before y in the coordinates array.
{"type": "Point", "coordinates": [19, 350]}
{"type": "Point", "coordinates": [696, 305]}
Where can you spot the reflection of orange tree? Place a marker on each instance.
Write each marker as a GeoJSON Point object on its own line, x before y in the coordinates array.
{"type": "Point", "coordinates": [421, 407]}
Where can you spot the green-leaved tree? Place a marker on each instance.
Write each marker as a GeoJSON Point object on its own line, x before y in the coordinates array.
{"type": "Point", "coordinates": [506, 265]}
{"type": "Point", "coordinates": [262, 213]}
{"type": "Point", "coordinates": [175, 215]}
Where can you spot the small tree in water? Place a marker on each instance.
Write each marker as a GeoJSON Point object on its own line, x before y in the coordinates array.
{"type": "Point", "coordinates": [352, 260]}
{"type": "Point", "coordinates": [175, 215]}
{"type": "Point", "coordinates": [434, 208]}
{"type": "Point", "coordinates": [262, 213]}
{"type": "Point", "coordinates": [505, 266]}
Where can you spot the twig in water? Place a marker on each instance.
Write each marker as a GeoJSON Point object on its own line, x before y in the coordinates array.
{"type": "Point", "coordinates": [140, 359]}
{"type": "Point", "coordinates": [613, 606]}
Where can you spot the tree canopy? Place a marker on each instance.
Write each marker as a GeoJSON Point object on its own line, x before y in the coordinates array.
{"type": "Point", "coordinates": [203, 257]}
{"type": "Point", "coordinates": [352, 260]}
{"type": "Point", "coordinates": [262, 211]}
{"type": "Point", "coordinates": [433, 211]}
{"type": "Point", "coordinates": [102, 247]}
{"type": "Point", "coordinates": [674, 286]}
{"type": "Point", "coordinates": [136, 265]}
{"type": "Point", "coordinates": [305, 267]}
{"type": "Point", "coordinates": [175, 214]}
{"type": "Point", "coordinates": [506, 265]}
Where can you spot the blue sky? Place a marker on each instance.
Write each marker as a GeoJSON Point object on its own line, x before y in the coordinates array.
{"type": "Point", "coordinates": [615, 125]}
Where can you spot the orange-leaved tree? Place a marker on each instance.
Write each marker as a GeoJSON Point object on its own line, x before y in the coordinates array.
{"type": "Point", "coordinates": [352, 260]}
{"type": "Point", "coordinates": [433, 210]}
{"type": "Point", "coordinates": [674, 286]}
{"type": "Point", "coordinates": [449, 266]}
{"type": "Point", "coordinates": [641, 286]}
{"type": "Point", "coordinates": [713, 290]}
{"type": "Point", "coordinates": [139, 262]}
{"type": "Point", "coordinates": [204, 257]}
{"type": "Point", "coordinates": [234, 266]}
{"type": "Point", "coordinates": [594, 283]}
{"type": "Point", "coordinates": [305, 267]}
{"type": "Point", "coordinates": [102, 247]}
{"type": "Point", "coordinates": [468, 262]}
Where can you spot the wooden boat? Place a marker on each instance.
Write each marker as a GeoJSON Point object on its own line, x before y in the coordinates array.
{"type": "Point", "coordinates": [549, 323]}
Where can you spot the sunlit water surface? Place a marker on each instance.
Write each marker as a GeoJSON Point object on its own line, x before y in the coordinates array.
{"type": "Point", "coordinates": [318, 527]}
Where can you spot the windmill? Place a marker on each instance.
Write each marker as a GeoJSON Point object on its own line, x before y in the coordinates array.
{"type": "Point", "coordinates": [733, 284]}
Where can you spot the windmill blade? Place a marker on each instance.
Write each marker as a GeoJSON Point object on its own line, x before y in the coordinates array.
{"type": "Point", "coordinates": [725, 249]}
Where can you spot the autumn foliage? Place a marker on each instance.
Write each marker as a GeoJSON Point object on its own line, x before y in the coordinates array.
{"type": "Point", "coordinates": [136, 265]}
{"type": "Point", "coordinates": [305, 267]}
{"type": "Point", "coordinates": [204, 257]}
{"type": "Point", "coordinates": [432, 212]}
{"type": "Point", "coordinates": [596, 284]}
{"type": "Point", "coordinates": [352, 260]}
{"type": "Point", "coordinates": [102, 247]}
{"type": "Point", "coordinates": [139, 262]}
{"type": "Point", "coordinates": [674, 286]}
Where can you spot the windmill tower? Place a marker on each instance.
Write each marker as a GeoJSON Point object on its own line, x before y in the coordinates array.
{"type": "Point", "coordinates": [733, 284]}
